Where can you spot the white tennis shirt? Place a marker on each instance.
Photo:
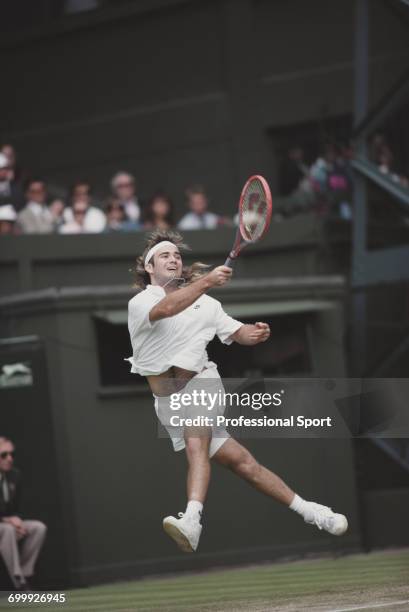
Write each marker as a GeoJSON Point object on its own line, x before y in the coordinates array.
{"type": "Point", "coordinates": [180, 340]}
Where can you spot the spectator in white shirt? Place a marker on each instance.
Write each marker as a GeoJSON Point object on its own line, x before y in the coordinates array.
{"type": "Point", "coordinates": [198, 217]}
{"type": "Point", "coordinates": [35, 218]}
{"type": "Point", "coordinates": [77, 224]}
{"type": "Point", "coordinates": [94, 218]}
{"type": "Point", "coordinates": [123, 188]}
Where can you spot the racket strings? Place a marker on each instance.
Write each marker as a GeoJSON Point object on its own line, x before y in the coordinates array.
{"type": "Point", "coordinates": [254, 211]}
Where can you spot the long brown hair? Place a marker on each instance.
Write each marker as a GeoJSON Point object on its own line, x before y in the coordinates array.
{"type": "Point", "coordinates": [148, 214]}
{"type": "Point", "coordinates": [189, 273]}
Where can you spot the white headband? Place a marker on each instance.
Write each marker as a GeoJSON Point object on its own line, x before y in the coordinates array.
{"type": "Point", "coordinates": [155, 248]}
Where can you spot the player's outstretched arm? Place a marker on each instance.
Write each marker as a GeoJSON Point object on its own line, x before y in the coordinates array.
{"type": "Point", "coordinates": [252, 334]}
{"type": "Point", "coordinates": [177, 301]}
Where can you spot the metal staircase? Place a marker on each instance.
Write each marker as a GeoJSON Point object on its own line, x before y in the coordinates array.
{"type": "Point", "coordinates": [372, 268]}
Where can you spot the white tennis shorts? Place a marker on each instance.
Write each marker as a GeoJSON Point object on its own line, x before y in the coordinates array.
{"type": "Point", "coordinates": [211, 381]}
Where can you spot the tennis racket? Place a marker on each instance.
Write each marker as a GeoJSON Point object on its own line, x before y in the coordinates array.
{"type": "Point", "coordinates": [255, 208]}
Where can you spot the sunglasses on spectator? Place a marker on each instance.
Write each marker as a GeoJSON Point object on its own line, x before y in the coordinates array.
{"type": "Point", "coordinates": [128, 184]}
{"type": "Point", "coordinates": [5, 454]}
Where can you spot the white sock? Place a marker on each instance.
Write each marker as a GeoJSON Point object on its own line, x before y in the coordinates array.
{"type": "Point", "coordinates": [194, 509]}
{"type": "Point", "coordinates": [299, 505]}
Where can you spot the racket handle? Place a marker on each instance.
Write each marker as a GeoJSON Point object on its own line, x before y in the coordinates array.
{"type": "Point", "coordinates": [230, 261]}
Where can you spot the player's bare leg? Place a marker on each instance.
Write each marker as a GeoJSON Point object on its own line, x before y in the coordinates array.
{"type": "Point", "coordinates": [240, 461]}
{"type": "Point", "coordinates": [198, 474]}
{"type": "Point", "coordinates": [186, 529]}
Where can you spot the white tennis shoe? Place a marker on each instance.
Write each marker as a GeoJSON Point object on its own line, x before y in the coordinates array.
{"type": "Point", "coordinates": [184, 530]}
{"type": "Point", "coordinates": [324, 518]}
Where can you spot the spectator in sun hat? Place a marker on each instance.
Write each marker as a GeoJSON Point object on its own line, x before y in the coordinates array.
{"type": "Point", "coordinates": [8, 218]}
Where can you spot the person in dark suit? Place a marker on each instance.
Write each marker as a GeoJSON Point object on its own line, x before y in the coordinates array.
{"type": "Point", "coordinates": [20, 540]}
{"type": "Point", "coordinates": [10, 190]}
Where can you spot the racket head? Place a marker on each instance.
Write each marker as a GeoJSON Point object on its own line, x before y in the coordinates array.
{"type": "Point", "coordinates": [255, 209]}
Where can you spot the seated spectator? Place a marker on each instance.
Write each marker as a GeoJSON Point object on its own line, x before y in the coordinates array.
{"type": "Point", "coordinates": [124, 189]}
{"type": "Point", "coordinates": [404, 181]}
{"type": "Point", "coordinates": [320, 169]}
{"type": "Point", "coordinates": [35, 218]}
{"type": "Point", "coordinates": [332, 181]}
{"type": "Point", "coordinates": [57, 209]}
{"type": "Point", "coordinates": [116, 218]}
{"type": "Point", "coordinates": [159, 212]}
{"type": "Point", "coordinates": [376, 146]}
{"type": "Point", "coordinates": [340, 183]}
{"type": "Point", "coordinates": [20, 539]}
{"type": "Point", "coordinates": [295, 185]}
{"type": "Point", "coordinates": [337, 174]}
{"type": "Point", "coordinates": [381, 154]}
{"type": "Point", "coordinates": [81, 190]}
{"type": "Point", "coordinates": [385, 164]}
{"type": "Point", "coordinates": [10, 189]}
{"type": "Point", "coordinates": [294, 172]}
{"type": "Point", "coordinates": [8, 218]}
{"type": "Point", "coordinates": [76, 225]}
{"type": "Point", "coordinates": [9, 151]}
{"type": "Point", "coordinates": [94, 219]}
{"type": "Point", "coordinates": [198, 217]}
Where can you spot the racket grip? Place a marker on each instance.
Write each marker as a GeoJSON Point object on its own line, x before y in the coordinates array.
{"type": "Point", "coordinates": [230, 261]}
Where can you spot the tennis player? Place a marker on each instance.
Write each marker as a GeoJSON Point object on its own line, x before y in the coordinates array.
{"type": "Point", "coordinates": [170, 323]}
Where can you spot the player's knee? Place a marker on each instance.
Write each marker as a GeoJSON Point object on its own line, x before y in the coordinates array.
{"type": "Point", "coordinates": [247, 467]}
{"type": "Point", "coordinates": [8, 530]}
{"type": "Point", "coordinates": [196, 447]}
{"type": "Point", "coordinates": [41, 527]}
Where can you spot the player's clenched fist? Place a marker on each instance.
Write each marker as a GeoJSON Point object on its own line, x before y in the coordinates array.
{"type": "Point", "coordinates": [261, 332]}
{"type": "Point", "coordinates": [219, 276]}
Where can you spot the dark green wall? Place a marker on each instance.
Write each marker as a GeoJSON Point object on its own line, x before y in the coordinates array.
{"type": "Point", "coordinates": [120, 480]}
{"type": "Point", "coordinates": [26, 418]}
{"type": "Point", "coordinates": [27, 263]}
